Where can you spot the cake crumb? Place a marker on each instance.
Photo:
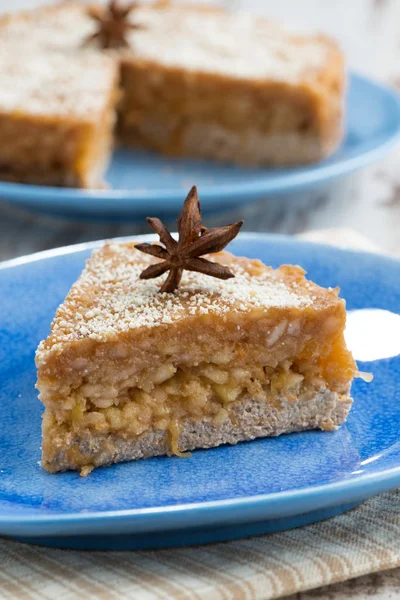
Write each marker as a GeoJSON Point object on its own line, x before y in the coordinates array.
{"type": "Point", "coordinates": [86, 470]}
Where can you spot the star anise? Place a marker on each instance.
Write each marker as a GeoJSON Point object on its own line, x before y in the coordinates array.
{"type": "Point", "coordinates": [194, 241]}
{"type": "Point", "coordinates": [113, 24]}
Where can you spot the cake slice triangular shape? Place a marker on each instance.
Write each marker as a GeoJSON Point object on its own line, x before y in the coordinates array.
{"type": "Point", "coordinates": [128, 372]}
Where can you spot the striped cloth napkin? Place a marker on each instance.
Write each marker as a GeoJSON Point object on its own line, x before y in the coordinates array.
{"type": "Point", "coordinates": [364, 540]}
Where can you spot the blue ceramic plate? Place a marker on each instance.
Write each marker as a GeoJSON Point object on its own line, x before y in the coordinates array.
{"type": "Point", "coordinates": [223, 493]}
{"type": "Point", "coordinates": [140, 178]}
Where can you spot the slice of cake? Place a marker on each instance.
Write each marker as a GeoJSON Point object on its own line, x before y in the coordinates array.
{"type": "Point", "coordinates": [195, 82]}
{"type": "Point", "coordinates": [129, 371]}
{"type": "Point", "coordinates": [57, 104]}
{"type": "Point", "coordinates": [57, 115]}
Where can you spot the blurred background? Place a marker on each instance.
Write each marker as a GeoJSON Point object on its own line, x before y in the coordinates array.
{"type": "Point", "coordinates": [367, 202]}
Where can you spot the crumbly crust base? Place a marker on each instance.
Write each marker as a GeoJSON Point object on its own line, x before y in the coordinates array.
{"type": "Point", "coordinates": [244, 148]}
{"type": "Point", "coordinates": [248, 419]}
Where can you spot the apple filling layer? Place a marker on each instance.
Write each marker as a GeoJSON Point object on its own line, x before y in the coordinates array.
{"type": "Point", "coordinates": [205, 392]}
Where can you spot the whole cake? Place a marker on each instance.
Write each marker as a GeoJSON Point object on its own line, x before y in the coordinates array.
{"type": "Point", "coordinates": [223, 349]}
{"type": "Point", "coordinates": [180, 79]}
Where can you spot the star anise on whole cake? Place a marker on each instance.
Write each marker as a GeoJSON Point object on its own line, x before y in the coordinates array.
{"type": "Point", "coordinates": [113, 24]}
{"type": "Point", "coordinates": [194, 241]}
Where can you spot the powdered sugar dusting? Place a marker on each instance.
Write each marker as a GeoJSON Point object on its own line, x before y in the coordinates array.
{"type": "Point", "coordinates": [46, 70]}
{"type": "Point", "coordinates": [46, 67]}
{"type": "Point", "coordinates": [109, 298]}
{"type": "Point", "coordinates": [239, 45]}
{"type": "Point", "coordinates": [56, 85]}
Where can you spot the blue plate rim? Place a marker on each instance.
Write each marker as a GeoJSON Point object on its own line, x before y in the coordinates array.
{"type": "Point", "coordinates": [198, 514]}
{"type": "Point", "coordinates": [262, 506]}
{"type": "Point", "coordinates": [224, 192]}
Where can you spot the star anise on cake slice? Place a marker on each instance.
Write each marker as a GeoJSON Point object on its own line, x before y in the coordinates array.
{"type": "Point", "coordinates": [194, 241]}
{"type": "Point", "coordinates": [113, 24]}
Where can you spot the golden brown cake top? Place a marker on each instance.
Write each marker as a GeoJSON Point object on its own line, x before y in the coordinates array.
{"type": "Point", "coordinates": [109, 299]}
{"type": "Point", "coordinates": [237, 45]}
